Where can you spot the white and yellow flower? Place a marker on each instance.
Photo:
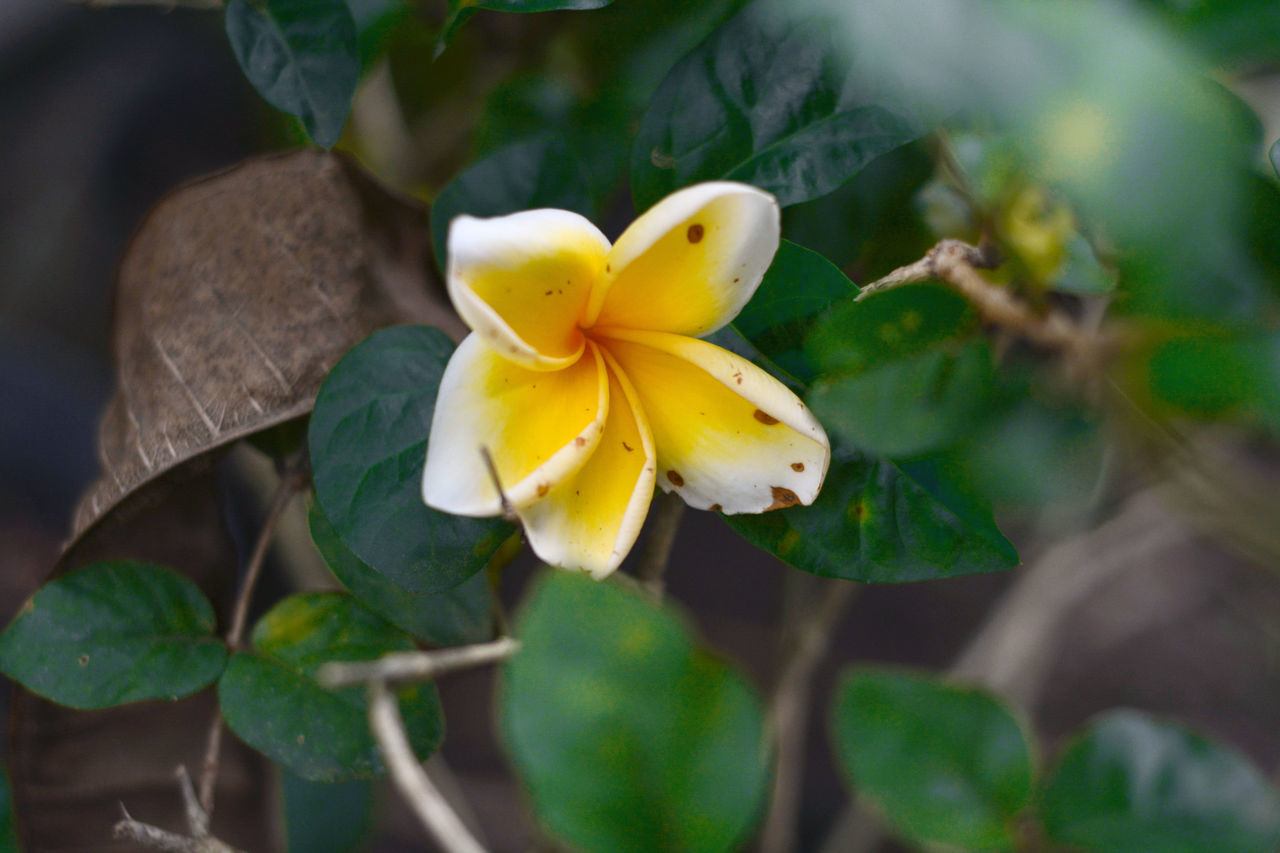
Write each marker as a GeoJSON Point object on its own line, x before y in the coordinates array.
{"type": "Point", "coordinates": [584, 379]}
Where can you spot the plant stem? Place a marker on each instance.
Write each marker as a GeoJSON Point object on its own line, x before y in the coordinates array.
{"type": "Point", "coordinates": [651, 565]}
{"type": "Point", "coordinates": [294, 476]}
{"type": "Point", "coordinates": [439, 819]}
{"type": "Point", "coordinates": [957, 263]}
{"type": "Point", "coordinates": [199, 840]}
{"type": "Point", "coordinates": [810, 627]}
{"type": "Point", "coordinates": [409, 667]}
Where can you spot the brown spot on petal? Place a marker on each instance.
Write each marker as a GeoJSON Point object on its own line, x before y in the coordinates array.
{"type": "Point", "coordinates": [548, 293]}
{"type": "Point", "coordinates": [543, 488]}
{"type": "Point", "coordinates": [764, 417]}
{"type": "Point", "coordinates": [715, 507]}
{"type": "Point", "coordinates": [695, 233]}
{"type": "Point", "coordinates": [797, 466]}
{"type": "Point", "coordinates": [783, 498]}
{"type": "Point", "coordinates": [608, 268]}
{"type": "Point", "coordinates": [675, 478]}
{"type": "Point", "coordinates": [627, 447]}
{"type": "Point", "coordinates": [579, 441]}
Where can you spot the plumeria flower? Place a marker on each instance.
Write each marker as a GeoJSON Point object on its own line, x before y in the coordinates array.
{"type": "Point", "coordinates": [585, 382]}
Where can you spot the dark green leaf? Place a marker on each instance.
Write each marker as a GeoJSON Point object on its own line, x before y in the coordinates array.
{"type": "Point", "coordinates": [628, 736]}
{"type": "Point", "coordinates": [111, 633]}
{"type": "Point", "coordinates": [901, 372]}
{"type": "Point", "coordinates": [944, 480]}
{"type": "Point", "coordinates": [909, 406]}
{"type": "Point", "coordinates": [888, 327]}
{"type": "Point", "coordinates": [450, 618]}
{"type": "Point", "coordinates": [872, 524]}
{"type": "Point", "coordinates": [271, 700]}
{"type": "Point", "coordinates": [874, 223]}
{"type": "Point", "coordinates": [799, 286]}
{"type": "Point", "coordinates": [1131, 782]}
{"type": "Point", "coordinates": [1275, 156]}
{"type": "Point", "coordinates": [326, 817]}
{"type": "Point", "coordinates": [764, 100]}
{"type": "Point", "coordinates": [541, 172]}
{"type": "Point", "coordinates": [945, 764]}
{"type": "Point", "coordinates": [302, 56]}
{"type": "Point", "coordinates": [461, 10]}
{"type": "Point", "coordinates": [368, 443]}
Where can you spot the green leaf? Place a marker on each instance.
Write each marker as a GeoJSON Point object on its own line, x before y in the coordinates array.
{"type": "Point", "coordinates": [945, 764]}
{"type": "Point", "coordinates": [943, 478]}
{"type": "Point", "coordinates": [901, 372]}
{"type": "Point", "coordinates": [461, 10]}
{"type": "Point", "coordinates": [871, 523]}
{"type": "Point", "coordinates": [540, 172]}
{"type": "Point", "coordinates": [112, 633]}
{"type": "Point", "coordinates": [368, 443]}
{"type": "Point", "coordinates": [874, 223]}
{"type": "Point", "coordinates": [1033, 454]}
{"type": "Point", "coordinates": [326, 817]}
{"type": "Point", "coordinates": [302, 56]}
{"type": "Point", "coordinates": [888, 327]}
{"type": "Point", "coordinates": [628, 736]}
{"type": "Point", "coordinates": [909, 406]}
{"type": "Point", "coordinates": [1215, 375]}
{"type": "Point", "coordinates": [271, 700]}
{"type": "Point", "coordinates": [1275, 156]}
{"type": "Point", "coordinates": [763, 100]}
{"type": "Point", "coordinates": [798, 287]}
{"type": "Point", "coordinates": [1132, 782]}
{"type": "Point", "coordinates": [453, 617]}
{"type": "Point", "coordinates": [376, 21]}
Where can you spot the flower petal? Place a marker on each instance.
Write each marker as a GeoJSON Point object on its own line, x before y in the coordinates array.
{"type": "Point", "coordinates": [690, 263]}
{"type": "Point", "coordinates": [591, 519]}
{"type": "Point", "coordinates": [522, 281]}
{"type": "Point", "coordinates": [538, 426]}
{"type": "Point", "coordinates": [729, 436]}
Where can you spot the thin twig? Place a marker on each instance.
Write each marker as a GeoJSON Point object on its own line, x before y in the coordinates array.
{"type": "Point", "coordinates": [197, 817]}
{"type": "Point", "coordinates": [294, 476]}
{"type": "Point", "coordinates": [651, 565]}
{"type": "Point", "coordinates": [956, 263]}
{"type": "Point", "coordinates": [439, 819]}
{"type": "Point", "coordinates": [293, 479]}
{"type": "Point", "coordinates": [198, 841]}
{"type": "Point", "coordinates": [811, 626]}
{"type": "Point", "coordinates": [508, 511]}
{"type": "Point", "coordinates": [926, 269]}
{"type": "Point", "coordinates": [407, 667]}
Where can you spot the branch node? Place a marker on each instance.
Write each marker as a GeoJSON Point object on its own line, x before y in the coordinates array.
{"type": "Point", "coordinates": [409, 667]}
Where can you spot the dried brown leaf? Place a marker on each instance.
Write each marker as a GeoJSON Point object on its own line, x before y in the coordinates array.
{"type": "Point", "coordinates": [237, 295]}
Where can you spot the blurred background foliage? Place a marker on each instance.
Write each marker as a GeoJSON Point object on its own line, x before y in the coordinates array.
{"type": "Point", "coordinates": [1115, 155]}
